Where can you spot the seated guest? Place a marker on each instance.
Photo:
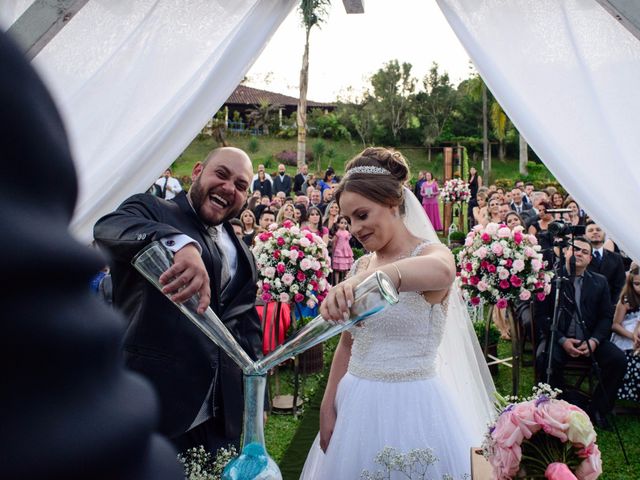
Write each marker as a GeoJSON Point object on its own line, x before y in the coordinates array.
{"type": "Point", "coordinates": [626, 321]}
{"type": "Point", "coordinates": [479, 211]}
{"type": "Point", "coordinates": [249, 226]}
{"type": "Point", "coordinates": [315, 200]}
{"type": "Point", "coordinates": [518, 203]}
{"type": "Point", "coordinates": [493, 211]}
{"type": "Point", "coordinates": [266, 218]}
{"type": "Point", "coordinates": [575, 217]}
{"type": "Point", "coordinates": [605, 262]}
{"type": "Point", "coordinates": [539, 226]}
{"type": "Point", "coordinates": [254, 201]}
{"type": "Point", "coordinates": [532, 215]}
{"type": "Point", "coordinates": [236, 224]}
{"type": "Point", "coordinates": [300, 213]}
{"type": "Point", "coordinates": [314, 224]}
{"type": "Point", "coordinates": [503, 210]}
{"type": "Point", "coordinates": [587, 299]}
{"type": "Point", "coordinates": [287, 212]}
{"type": "Point", "coordinates": [302, 200]}
{"type": "Point", "coordinates": [513, 220]}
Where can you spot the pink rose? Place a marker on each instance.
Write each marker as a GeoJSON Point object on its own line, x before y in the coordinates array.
{"type": "Point", "coordinates": [280, 241]}
{"type": "Point", "coordinates": [300, 254]}
{"type": "Point", "coordinates": [525, 413]}
{"type": "Point", "coordinates": [540, 296]}
{"type": "Point", "coordinates": [482, 286]}
{"type": "Point", "coordinates": [473, 280]}
{"type": "Point", "coordinates": [533, 240]}
{"type": "Point", "coordinates": [516, 281]}
{"type": "Point", "coordinates": [319, 273]}
{"type": "Point", "coordinates": [284, 297]}
{"type": "Point", "coordinates": [486, 238]}
{"type": "Point", "coordinates": [287, 224]}
{"type": "Point", "coordinates": [468, 241]}
{"type": "Point", "coordinates": [305, 264]}
{"type": "Point", "coordinates": [484, 264]}
{"type": "Point", "coordinates": [529, 252]}
{"type": "Point", "coordinates": [502, 303]}
{"type": "Point", "coordinates": [536, 265]}
{"type": "Point", "coordinates": [475, 301]}
{"type": "Point", "coordinates": [300, 276]}
{"type": "Point", "coordinates": [468, 267]}
{"type": "Point", "coordinates": [314, 284]}
{"type": "Point", "coordinates": [503, 273]}
{"type": "Point", "coordinates": [559, 471]}
{"type": "Point", "coordinates": [553, 415]}
{"type": "Point", "coordinates": [504, 284]}
{"type": "Point", "coordinates": [524, 295]}
{"type": "Point", "coordinates": [266, 287]}
{"type": "Point", "coordinates": [481, 252]}
{"type": "Point", "coordinates": [298, 297]}
{"type": "Point", "coordinates": [478, 228]}
{"type": "Point", "coordinates": [280, 268]}
{"type": "Point", "coordinates": [504, 232]}
{"type": "Point", "coordinates": [508, 262]}
{"type": "Point", "coordinates": [491, 268]}
{"type": "Point", "coordinates": [518, 266]}
{"type": "Point", "coordinates": [591, 467]}
{"type": "Point", "coordinates": [463, 279]}
{"type": "Point", "coordinates": [506, 462]}
{"type": "Point", "coordinates": [517, 237]}
{"type": "Point", "coordinates": [276, 254]}
{"type": "Point", "coordinates": [266, 297]}
{"type": "Point", "coordinates": [264, 236]}
{"type": "Point", "coordinates": [497, 249]}
{"type": "Point", "coordinates": [309, 237]}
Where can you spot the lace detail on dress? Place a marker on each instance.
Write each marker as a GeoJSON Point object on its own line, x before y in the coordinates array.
{"type": "Point", "coordinates": [400, 343]}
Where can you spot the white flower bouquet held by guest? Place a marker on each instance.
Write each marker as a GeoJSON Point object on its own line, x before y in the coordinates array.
{"type": "Point", "coordinates": [397, 380]}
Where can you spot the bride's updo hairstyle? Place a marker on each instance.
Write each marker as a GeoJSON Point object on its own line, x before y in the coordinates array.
{"type": "Point", "coordinates": [377, 174]}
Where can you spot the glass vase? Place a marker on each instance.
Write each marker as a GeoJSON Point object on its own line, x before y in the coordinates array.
{"type": "Point", "coordinates": [373, 294]}
{"type": "Point", "coordinates": [253, 462]}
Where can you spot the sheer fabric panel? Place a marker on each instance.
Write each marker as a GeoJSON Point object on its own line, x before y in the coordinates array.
{"type": "Point", "coordinates": [566, 73]}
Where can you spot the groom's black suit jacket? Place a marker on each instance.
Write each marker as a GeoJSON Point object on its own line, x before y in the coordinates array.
{"type": "Point", "coordinates": [160, 342]}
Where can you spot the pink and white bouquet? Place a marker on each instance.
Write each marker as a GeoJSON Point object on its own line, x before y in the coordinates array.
{"type": "Point", "coordinates": [542, 437]}
{"type": "Point", "coordinates": [455, 190]}
{"type": "Point", "coordinates": [502, 266]}
{"type": "Point", "coordinates": [293, 265]}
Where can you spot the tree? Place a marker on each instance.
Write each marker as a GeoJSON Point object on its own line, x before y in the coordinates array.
{"type": "Point", "coordinates": [358, 114]}
{"type": "Point", "coordinates": [435, 104]}
{"type": "Point", "coordinates": [524, 155]}
{"type": "Point", "coordinates": [263, 115]}
{"type": "Point", "coordinates": [313, 13]}
{"type": "Point", "coordinates": [393, 88]}
{"type": "Point", "coordinates": [499, 122]}
{"type": "Point", "coordinates": [478, 89]}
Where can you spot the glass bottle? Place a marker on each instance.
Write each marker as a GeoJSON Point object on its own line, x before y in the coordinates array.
{"type": "Point", "coordinates": [253, 462]}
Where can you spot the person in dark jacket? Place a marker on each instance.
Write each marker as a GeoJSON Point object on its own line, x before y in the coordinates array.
{"type": "Point", "coordinates": [586, 297]}
{"type": "Point", "coordinates": [605, 262]}
{"type": "Point", "coordinates": [199, 387]}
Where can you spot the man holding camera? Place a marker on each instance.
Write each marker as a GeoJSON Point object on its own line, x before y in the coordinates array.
{"type": "Point", "coordinates": [584, 328]}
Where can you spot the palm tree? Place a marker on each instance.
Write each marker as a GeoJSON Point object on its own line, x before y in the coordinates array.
{"type": "Point", "coordinates": [313, 13]}
{"type": "Point", "coordinates": [499, 121]}
{"type": "Point", "coordinates": [477, 89]}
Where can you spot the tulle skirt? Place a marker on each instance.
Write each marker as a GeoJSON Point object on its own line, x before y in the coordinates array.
{"type": "Point", "coordinates": [373, 415]}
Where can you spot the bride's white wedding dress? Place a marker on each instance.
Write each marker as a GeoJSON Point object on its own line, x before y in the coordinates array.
{"type": "Point", "coordinates": [392, 396]}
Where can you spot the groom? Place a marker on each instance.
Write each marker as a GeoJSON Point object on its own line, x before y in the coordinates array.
{"type": "Point", "coordinates": [199, 387]}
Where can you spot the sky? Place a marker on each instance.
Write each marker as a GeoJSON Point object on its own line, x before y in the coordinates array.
{"type": "Point", "coordinates": [348, 49]}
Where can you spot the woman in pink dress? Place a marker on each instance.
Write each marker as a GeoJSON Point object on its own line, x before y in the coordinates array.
{"type": "Point", "coordinates": [342, 256]}
{"type": "Point", "coordinates": [429, 192]}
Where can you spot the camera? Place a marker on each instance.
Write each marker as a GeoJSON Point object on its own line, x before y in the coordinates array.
{"type": "Point", "coordinates": [560, 228]}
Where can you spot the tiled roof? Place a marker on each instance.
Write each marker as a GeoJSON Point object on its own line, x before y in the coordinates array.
{"type": "Point", "coordinates": [252, 96]}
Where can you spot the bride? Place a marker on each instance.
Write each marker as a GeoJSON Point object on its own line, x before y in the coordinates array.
{"type": "Point", "coordinates": [412, 377]}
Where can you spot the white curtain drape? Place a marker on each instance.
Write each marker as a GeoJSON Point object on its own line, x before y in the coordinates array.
{"type": "Point", "coordinates": [137, 80]}
{"type": "Point", "coordinates": [567, 74]}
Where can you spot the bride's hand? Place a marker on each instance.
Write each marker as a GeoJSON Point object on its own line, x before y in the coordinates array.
{"type": "Point", "coordinates": [335, 308]}
{"type": "Point", "coordinates": [327, 422]}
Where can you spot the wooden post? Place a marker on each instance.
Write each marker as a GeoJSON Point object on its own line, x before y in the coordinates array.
{"type": "Point", "coordinates": [447, 211]}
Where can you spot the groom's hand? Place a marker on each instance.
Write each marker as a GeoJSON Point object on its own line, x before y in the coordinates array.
{"type": "Point", "coordinates": [186, 277]}
{"type": "Point", "coordinates": [327, 423]}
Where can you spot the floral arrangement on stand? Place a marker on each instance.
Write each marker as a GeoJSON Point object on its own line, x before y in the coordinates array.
{"type": "Point", "coordinates": [542, 437]}
{"type": "Point", "coordinates": [293, 265]}
{"type": "Point", "coordinates": [455, 190]}
{"type": "Point", "coordinates": [501, 266]}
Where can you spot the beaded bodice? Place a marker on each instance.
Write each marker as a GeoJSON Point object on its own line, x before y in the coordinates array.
{"type": "Point", "coordinates": [401, 342]}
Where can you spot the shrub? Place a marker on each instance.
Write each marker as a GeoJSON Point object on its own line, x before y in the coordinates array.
{"type": "Point", "coordinates": [290, 157]}
{"type": "Point", "coordinates": [254, 145]}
